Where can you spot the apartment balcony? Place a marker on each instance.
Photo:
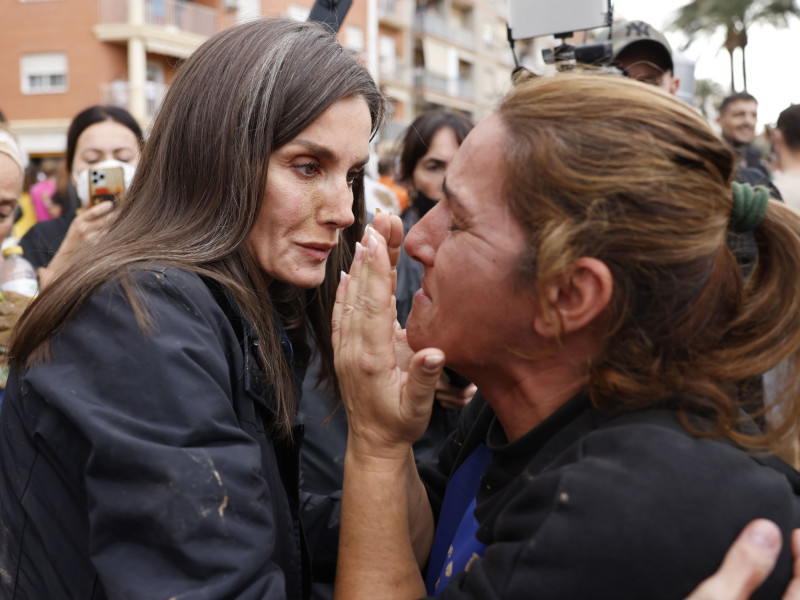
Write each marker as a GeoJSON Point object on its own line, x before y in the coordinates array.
{"type": "Point", "coordinates": [455, 87]}
{"type": "Point", "coordinates": [119, 92]}
{"type": "Point", "coordinates": [394, 72]}
{"type": "Point", "coordinates": [169, 27]}
{"type": "Point", "coordinates": [395, 13]}
{"type": "Point", "coordinates": [432, 23]}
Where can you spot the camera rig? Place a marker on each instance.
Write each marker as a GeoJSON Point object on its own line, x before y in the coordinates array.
{"type": "Point", "coordinates": [529, 19]}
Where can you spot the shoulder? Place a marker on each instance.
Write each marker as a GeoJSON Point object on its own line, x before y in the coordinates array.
{"type": "Point", "coordinates": [639, 507]}
{"type": "Point", "coordinates": [653, 453]}
{"type": "Point", "coordinates": [153, 304]}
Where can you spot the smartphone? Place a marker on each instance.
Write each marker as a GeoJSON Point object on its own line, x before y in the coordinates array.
{"type": "Point", "coordinates": [105, 183]}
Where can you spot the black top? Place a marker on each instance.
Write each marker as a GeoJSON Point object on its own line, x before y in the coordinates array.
{"type": "Point", "coordinates": [587, 506]}
{"type": "Point", "coordinates": [138, 465]}
{"type": "Point", "coordinates": [42, 240]}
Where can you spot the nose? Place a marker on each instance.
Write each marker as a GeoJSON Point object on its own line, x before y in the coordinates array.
{"type": "Point", "coordinates": [337, 209]}
{"type": "Point", "coordinates": [423, 240]}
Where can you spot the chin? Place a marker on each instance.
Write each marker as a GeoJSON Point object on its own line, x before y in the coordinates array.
{"type": "Point", "coordinates": [417, 335]}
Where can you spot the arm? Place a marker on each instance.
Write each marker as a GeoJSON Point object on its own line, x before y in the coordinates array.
{"type": "Point", "coordinates": [175, 486]}
{"type": "Point", "coordinates": [387, 394]}
{"type": "Point", "coordinates": [747, 564]}
{"type": "Point", "coordinates": [83, 230]}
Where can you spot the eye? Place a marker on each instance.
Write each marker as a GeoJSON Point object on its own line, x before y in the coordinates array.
{"type": "Point", "coordinates": [352, 176]}
{"type": "Point", "coordinates": [308, 169]}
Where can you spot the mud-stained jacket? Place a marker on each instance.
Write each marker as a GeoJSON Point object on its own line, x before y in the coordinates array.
{"type": "Point", "coordinates": [141, 465]}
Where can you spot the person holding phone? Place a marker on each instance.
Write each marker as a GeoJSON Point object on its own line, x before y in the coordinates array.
{"type": "Point", "coordinates": [98, 137]}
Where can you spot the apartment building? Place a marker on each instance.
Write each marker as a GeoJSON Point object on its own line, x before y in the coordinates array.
{"type": "Point", "coordinates": [60, 56]}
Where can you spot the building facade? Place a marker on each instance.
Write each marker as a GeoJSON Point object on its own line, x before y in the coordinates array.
{"type": "Point", "coordinates": [60, 56]}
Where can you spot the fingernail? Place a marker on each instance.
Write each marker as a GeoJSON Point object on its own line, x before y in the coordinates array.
{"type": "Point", "coordinates": [372, 243]}
{"type": "Point", "coordinates": [432, 363]}
{"type": "Point", "coordinates": [765, 534]}
{"type": "Point", "coordinates": [377, 210]}
{"type": "Point", "coordinates": [343, 279]}
{"type": "Point", "coordinates": [359, 251]}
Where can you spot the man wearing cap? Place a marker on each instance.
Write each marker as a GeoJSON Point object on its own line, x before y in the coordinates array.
{"type": "Point", "coordinates": [644, 54]}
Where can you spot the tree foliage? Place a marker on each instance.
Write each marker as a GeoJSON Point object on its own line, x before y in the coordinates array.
{"type": "Point", "coordinates": [735, 17]}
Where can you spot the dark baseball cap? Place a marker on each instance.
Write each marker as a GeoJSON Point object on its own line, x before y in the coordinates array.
{"type": "Point", "coordinates": [624, 35]}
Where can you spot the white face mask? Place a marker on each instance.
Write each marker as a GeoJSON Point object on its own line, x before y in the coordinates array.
{"type": "Point", "coordinates": [81, 180]}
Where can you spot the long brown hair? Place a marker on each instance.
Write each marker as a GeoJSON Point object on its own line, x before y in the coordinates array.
{"type": "Point", "coordinates": [200, 183]}
{"type": "Point", "coordinates": [606, 167]}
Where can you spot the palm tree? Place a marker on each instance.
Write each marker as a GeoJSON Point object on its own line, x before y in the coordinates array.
{"type": "Point", "coordinates": [735, 16]}
{"type": "Point", "coordinates": [707, 92]}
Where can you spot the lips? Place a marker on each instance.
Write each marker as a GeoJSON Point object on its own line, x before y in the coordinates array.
{"type": "Point", "coordinates": [318, 251]}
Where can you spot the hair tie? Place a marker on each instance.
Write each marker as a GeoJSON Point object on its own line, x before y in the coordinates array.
{"type": "Point", "coordinates": [749, 206]}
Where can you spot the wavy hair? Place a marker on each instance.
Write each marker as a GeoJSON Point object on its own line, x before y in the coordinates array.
{"type": "Point", "coordinates": [605, 167]}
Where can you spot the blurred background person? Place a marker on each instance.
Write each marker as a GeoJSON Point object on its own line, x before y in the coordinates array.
{"type": "Point", "coordinates": [737, 120]}
{"type": "Point", "coordinates": [387, 176]}
{"type": "Point", "coordinates": [644, 54]}
{"type": "Point", "coordinates": [786, 143]}
{"type": "Point", "coordinates": [12, 175]}
{"type": "Point", "coordinates": [47, 204]}
{"type": "Point", "coordinates": [97, 136]}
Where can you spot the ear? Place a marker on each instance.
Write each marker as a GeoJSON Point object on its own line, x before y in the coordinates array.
{"type": "Point", "coordinates": [674, 85]}
{"type": "Point", "coordinates": [575, 298]}
{"type": "Point", "coordinates": [777, 137]}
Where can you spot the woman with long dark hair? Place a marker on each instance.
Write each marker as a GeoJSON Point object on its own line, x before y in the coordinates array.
{"type": "Point", "coordinates": [148, 445]}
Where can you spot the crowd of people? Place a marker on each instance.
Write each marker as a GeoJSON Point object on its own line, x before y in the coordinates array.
{"type": "Point", "coordinates": [555, 370]}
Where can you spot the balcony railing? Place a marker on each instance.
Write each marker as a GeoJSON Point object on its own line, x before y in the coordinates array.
{"type": "Point", "coordinates": [432, 23]}
{"type": "Point", "coordinates": [458, 87]}
{"type": "Point", "coordinates": [394, 71]}
{"type": "Point", "coordinates": [395, 10]}
{"type": "Point", "coordinates": [118, 93]}
{"type": "Point", "coordinates": [177, 15]}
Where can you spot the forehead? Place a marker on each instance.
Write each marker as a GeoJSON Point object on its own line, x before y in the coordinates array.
{"type": "Point", "coordinates": [106, 134]}
{"type": "Point", "coordinates": [444, 144]}
{"type": "Point", "coordinates": [10, 177]}
{"type": "Point", "coordinates": [346, 120]}
{"type": "Point", "coordinates": [479, 168]}
{"type": "Point", "coordinates": [741, 106]}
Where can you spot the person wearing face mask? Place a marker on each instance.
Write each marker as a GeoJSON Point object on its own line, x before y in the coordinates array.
{"type": "Point", "coordinates": [99, 136]}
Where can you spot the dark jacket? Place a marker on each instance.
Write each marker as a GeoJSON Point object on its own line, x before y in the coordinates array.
{"type": "Point", "coordinates": [140, 465]}
{"type": "Point", "coordinates": [42, 241]}
{"type": "Point", "coordinates": [589, 506]}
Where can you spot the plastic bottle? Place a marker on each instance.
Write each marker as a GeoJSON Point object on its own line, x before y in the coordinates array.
{"type": "Point", "coordinates": [17, 274]}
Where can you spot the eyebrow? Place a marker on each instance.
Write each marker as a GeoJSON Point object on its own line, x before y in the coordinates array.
{"type": "Point", "coordinates": [325, 153]}
{"type": "Point", "coordinates": [452, 198]}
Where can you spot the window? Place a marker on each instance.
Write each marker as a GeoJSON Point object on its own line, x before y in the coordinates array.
{"type": "Point", "coordinates": [354, 38]}
{"type": "Point", "coordinates": [43, 73]}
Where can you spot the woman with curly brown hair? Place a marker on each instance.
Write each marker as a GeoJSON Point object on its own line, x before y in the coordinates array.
{"type": "Point", "coordinates": [577, 271]}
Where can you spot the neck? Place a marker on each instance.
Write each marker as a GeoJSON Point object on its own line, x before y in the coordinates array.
{"type": "Point", "coordinates": [524, 392]}
{"type": "Point", "coordinates": [789, 161]}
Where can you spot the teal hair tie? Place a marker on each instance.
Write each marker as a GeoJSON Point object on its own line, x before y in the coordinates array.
{"type": "Point", "coordinates": [749, 205]}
